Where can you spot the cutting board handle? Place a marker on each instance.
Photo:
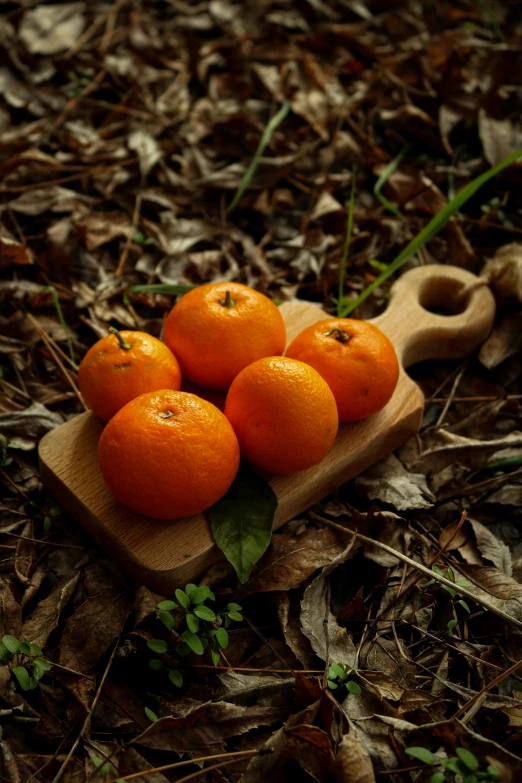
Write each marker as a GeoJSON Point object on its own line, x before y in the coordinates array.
{"type": "Point", "coordinates": [418, 333]}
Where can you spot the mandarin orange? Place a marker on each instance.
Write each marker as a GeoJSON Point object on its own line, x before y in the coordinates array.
{"type": "Point", "coordinates": [168, 454]}
{"type": "Point", "coordinates": [123, 365]}
{"type": "Point", "coordinates": [283, 413]}
{"type": "Point", "coordinates": [218, 329]}
{"type": "Point", "coordinates": [355, 358]}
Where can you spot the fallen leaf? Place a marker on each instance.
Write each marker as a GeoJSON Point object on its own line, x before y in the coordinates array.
{"type": "Point", "coordinates": [45, 617]}
{"type": "Point", "coordinates": [352, 761]}
{"type": "Point", "coordinates": [261, 690]}
{"type": "Point", "coordinates": [390, 482]}
{"type": "Point", "coordinates": [263, 766]}
{"type": "Point", "coordinates": [495, 588]}
{"type": "Point", "coordinates": [29, 424]}
{"type": "Point", "coordinates": [504, 341]}
{"type": "Point", "coordinates": [329, 641]}
{"type": "Point", "coordinates": [49, 29]}
{"type": "Point", "coordinates": [499, 137]}
{"type": "Point", "coordinates": [503, 272]}
{"type": "Point", "coordinates": [10, 611]}
{"type": "Point", "coordinates": [492, 548]}
{"type": "Point", "coordinates": [242, 520]}
{"type": "Point", "coordinates": [147, 149]}
{"type": "Point", "coordinates": [91, 629]}
{"type": "Point", "coordinates": [294, 636]}
{"type": "Point", "coordinates": [289, 560]}
{"type": "Point", "coordinates": [206, 726]}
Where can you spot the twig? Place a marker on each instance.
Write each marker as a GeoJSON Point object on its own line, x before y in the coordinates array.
{"type": "Point", "coordinates": [87, 717]}
{"type": "Point", "coordinates": [488, 687]}
{"type": "Point", "coordinates": [125, 253]}
{"type": "Point", "coordinates": [453, 391]}
{"type": "Point", "coordinates": [238, 755]}
{"type": "Point", "coordinates": [432, 575]}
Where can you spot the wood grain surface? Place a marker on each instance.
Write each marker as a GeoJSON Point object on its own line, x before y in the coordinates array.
{"type": "Point", "coordinates": [166, 554]}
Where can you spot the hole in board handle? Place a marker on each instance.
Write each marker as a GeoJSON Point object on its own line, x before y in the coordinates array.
{"type": "Point", "coordinates": [444, 296]}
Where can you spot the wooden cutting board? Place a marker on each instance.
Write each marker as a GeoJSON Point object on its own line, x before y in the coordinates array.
{"type": "Point", "coordinates": [164, 555]}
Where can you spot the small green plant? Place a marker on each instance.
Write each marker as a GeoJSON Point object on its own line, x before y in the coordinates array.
{"type": "Point", "coordinates": [54, 511]}
{"type": "Point", "coordinates": [456, 599]}
{"type": "Point", "coordinates": [141, 239]}
{"type": "Point", "coordinates": [493, 207]}
{"type": "Point", "coordinates": [79, 80]}
{"type": "Point", "coordinates": [103, 769]}
{"type": "Point", "coordinates": [338, 675]}
{"type": "Point", "coordinates": [30, 666]}
{"type": "Point", "coordinates": [464, 765]}
{"type": "Point", "coordinates": [5, 459]}
{"type": "Point", "coordinates": [151, 715]}
{"type": "Point", "coordinates": [200, 627]}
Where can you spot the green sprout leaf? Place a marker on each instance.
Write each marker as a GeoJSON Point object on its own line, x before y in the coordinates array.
{"type": "Point", "coordinates": [332, 685]}
{"type": "Point", "coordinates": [183, 598]}
{"type": "Point", "coordinates": [200, 594]}
{"type": "Point", "coordinates": [222, 638]}
{"type": "Point", "coordinates": [421, 754]}
{"type": "Point", "coordinates": [11, 644]}
{"type": "Point", "coordinates": [167, 605]}
{"type": "Point", "coordinates": [242, 520]}
{"type": "Point", "coordinates": [233, 607]}
{"type": "Point", "coordinates": [353, 687]}
{"type": "Point", "coordinates": [22, 675]}
{"type": "Point", "coordinates": [167, 619]}
{"type": "Point", "coordinates": [204, 613]}
{"type": "Point", "coordinates": [216, 657]}
{"type": "Point", "coordinates": [467, 758]}
{"type": "Point", "coordinates": [156, 664]}
{"type": "Point", "coordinates": [151, 715]}
{"type": "Point", "coordinates": [176, 678]}
{"type": "Point", "coordinates": [194, 642]}
{"type": "Point", "coordinates": [157, 645]}
{"type": "Point", "coordinates": [192, 623]}
{"type": "Point", "coordinates": [452, 624]}
{"type": "Point", "coordinates": [438, 777]}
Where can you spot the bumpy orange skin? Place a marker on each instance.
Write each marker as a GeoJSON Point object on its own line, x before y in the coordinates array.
{"type": "Point", "coordinates": [110, 376]}
{"type": "Point", "coordinates": [362, 372]}
{"type": "Point", "coordinates": [213, 343]}
{"type": "Point", "coordinates": [168, 454]}
{"type": "Point", "coordinates": [283, 413]}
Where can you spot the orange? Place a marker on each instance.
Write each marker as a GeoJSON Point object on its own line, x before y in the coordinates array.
{"type": "Point", "coordinates": [122, 366]}
{"type": "Point", "coordinates": [168, 454]}
{"type": "Point", "coordinates": [283, 413]}
{"type": "Point", "coordinates": [355, 358]}
{"type": "Point", "coordinates": [218, 329]}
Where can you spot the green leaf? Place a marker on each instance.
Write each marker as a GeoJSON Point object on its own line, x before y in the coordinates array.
{"type": "Point", "coordinates": [464, 606]}
{"type": "Point", "coordinates": [151, 715]}
{"type": "Point", "coordinates": [470, 779]}
{"type": "Point", "coordinates": [40, 666]}
{"type": "Point", "coordinates": [200, 594]}
{"type": "Point", "coordinates": [156, 664]}
{"type": "Point", "coordinates": [274, 123]}
{"type": "Point", "coordinates": [433, 227]}
{"type": "Point", "coordinates": [160, 288]}
{"type": "Point", "coordinates": [35, 650]}
{"type": "Point", "coordinates": [339, 671]}
{"type": "Point", "coordinates": [11, 644]}
{"type": "Point", "coordinates": [235, 616]}
{"type": "Point", "coordinates": [167, 605]}
{"type": "Point", "coordinates": [234, 607]}
{"type": "Point", "coordinates": [242, 520]}
{"type": "Point", "coordinates": [204, 613]}
{"type": "Point", "coordinates": [452, 624]}
{"type": "Point", "coordinates": [454, 765]}
{"type": "Point", "coordinates": [437, 570]}
{"type": "Point", "coordinates": [216, 657]}
{"type": "Point", "coordinates": [493, 773]}
{"type": "Point", "coordinates": [467, 758]}
{"type": "Point", "coordinates": [167, 619]}
{"type": "Point", "coordinates": [463, 583]}
{"type": "Point", "coordinates": [183, 598]}
{"type": "Point", "coordinates": [22, 675]}
{"type": "Point", "coordinates": [438, 777]}
{"type": "Point", "coordinates": [421, 754]}
{"type": "Point", "coordinates": [194, 642]}
{"type": "Point", "coordinates": [100, 764]}
{"type": "Point", "coordinates": [157, 645]}
{"type": "Point", "coordinates": [449, 590]}
{"type": "Point", "coordinates": [5, 655]}
{"type": "Point", "coordinates": [24, 648]}
{"type": "Point", "coordinates": [189, 589]}
{"type": "Point", "coordinates": [388, 171]}
{"type": "Point", "coordinates": [47, 524]}
{"type": "Point", "coordinates": [182, 648]}
{"type": "Point", "coordinates": [192, 623]}
{"type": "Point", "coordinates": [222, 638]}
{"type": "Point", "coordinates": [176, 678]}
{"type": "Point", "coordinates": [353, 687]}
{"type": "Point", "coordinates": [332, 685]}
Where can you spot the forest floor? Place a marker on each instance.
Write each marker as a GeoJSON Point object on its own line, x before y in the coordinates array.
{"type": "Point", "coordinates": [125, 131]}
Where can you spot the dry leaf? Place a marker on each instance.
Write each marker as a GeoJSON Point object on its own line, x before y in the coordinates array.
{"type": "Point", "coordinates": [49, 29]}
{"type": "Point", "coordinates": [352, 761]}
{"type": "Point", "coordinates": [40, 624]}
{"type": "Point", "coordinates": [503, 272]}
{"type": "Point", "coordinates": [390, 482]}
{"type": "Point", "coordinates": [492, 548]}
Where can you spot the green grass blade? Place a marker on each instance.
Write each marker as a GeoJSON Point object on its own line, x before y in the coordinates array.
{"type": "Point", "coordinates": [348, 239]}
{"type": "Point", "coordinates": [49, 289]}
{"type": "Point", "coordinates": [386, 174]}
{"type": "Point", "coordinates": [160, 288]}
{"type": "Point", "coordinates": [433, 227]}
{"type": "Point", "coordinates": [274, 123]}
